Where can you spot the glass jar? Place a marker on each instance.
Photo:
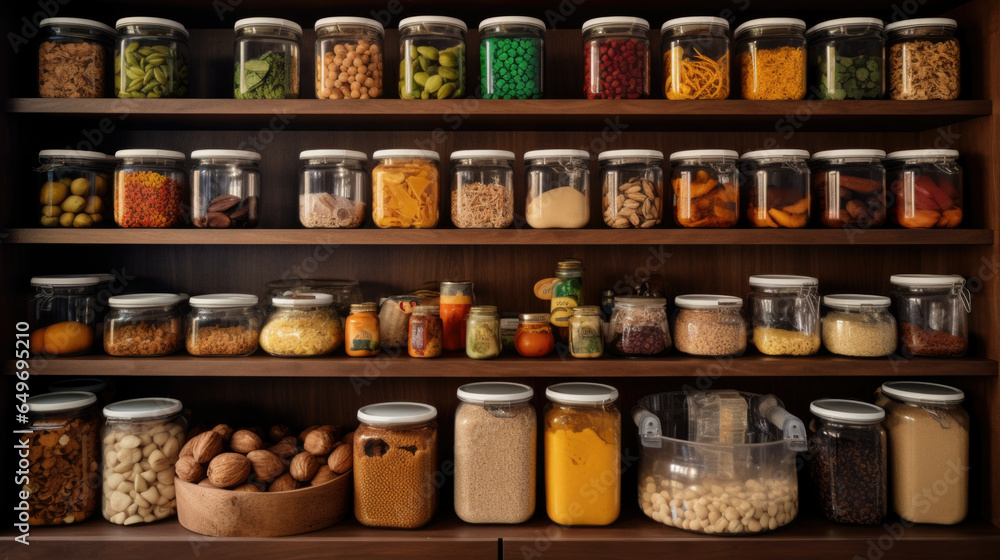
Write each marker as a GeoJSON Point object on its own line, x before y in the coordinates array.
{"type": "Point", "coordinates": [362, 331]}
{"type": "Point", "coordinates": [266, 58]}
{"type": "Point", "coordinates": [405, 189]}
{"type": "Point", "coordinates": [616, 58]}
{"type": "Point", "coordinates": [151, 58]}
{"type": "Point", "coordinates": [432, 58]}
{"type": "Point", "coordinates": [586, 332]}
{"type": "Point", "coordinates": [924, 59]}
{"type": "Point", "coordinates": [394, 320]}
{"type": "Point", "coordinates": [772, 54]}
{"type": "Point", "coordinates": [849, 188]}
{"type": "Point", "coordinates": [62, 455]}
{"type": "Point", "coordinates": [333, 189]}
{"type": "Point", "coordinates": [426, 335]}
{"type": "Point", "coordinates": [709, 325]}
{"type": "Point", "coordinates": [223, 325]}
{"type": "Point", "coordinates": [302, 324]}
{"type": "Point", "coordinates": [706, 188]}
{"type": "Point", "coordinates": [150, 188]}
{"type": "Point", "coordinates": [495, 442]}
{"type": "Point", "coordinates": [482, 340]}
{"type": "Point", "coordinates": [455, 302]}
{"type": "Point", "coordinates": [144, 325]}
{"type": "Point", "coordinates": [928, 433]}
{"type": "Point", "coordinates": [142, 441]}
{"type": "Point", "coordinates": [639, 327]}
{"type": "Point", "coordinates": [582, 454]}
{"type": "Point", "coordinates": [73, 57]}
{"type": "Point", "coordinates": [534, 337]}
{"type": "Point", "coordinates": [512, 58]}
{"type": "Point", "coordinates": [558, 185]}
{"type": "Point", "coordinates": [784, 314]}
{"type": "Point", "coordinates": [933, 314]}
{"type": "Point", "coordinates": [73, 188]}
{"type": "Point", "coordinates": [632, 188]}
{"type": "Point", "coordinates": [64, 313]}
{"type": "Point", "coordinates": [225, 189]}
{"type": "Point", "coordinates": [858, 326]}
{"type": "Point", "coordinates": [482, 188]}
{"type": "Point", "coordinates": [508, 332]}
{"type": "Point", "coordinates": [395, 461]}
{"type": "Point", "coordinates": [343, 291]}
{"type": "Point", "coordinates": [695, 58]}
{"type": "Point", "coordinates": [567, 293]}
{"type": "Point", "coordinates": [350, 58]}
{"type": "Point", "coordinates": [846, 59]}
{"type": "Point", "coordinates": [926, 187]}
{"type": "Point", "coordinates": [777, 188]}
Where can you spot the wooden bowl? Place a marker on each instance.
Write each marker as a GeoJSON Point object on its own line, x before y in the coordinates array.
{"type": "Point", "coordinates": [224, 513]}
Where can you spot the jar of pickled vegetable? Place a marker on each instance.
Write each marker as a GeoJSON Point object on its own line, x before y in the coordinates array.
{"type": "Point", "coordinates": [616, 58]}
{"type": "Point", "coordinates": [333, 189]}
{"type": "Point", "coordinates": [925, 59]}
{"type": "Point", "coordinates": [74, 188]}
{"type": "Point", "coordinates": [567, 293]}
{"type": "Point", "coordinates": [706, 188]}
{"type": "Point", "coordinates": [266, 58]}
{"type": "Point", "coordinates": [558, 185]}
{"type": "Point", "coordinates": [772, 58]}
{"type": "Point", "coordinates": [341, 42]}
{"type": "Point", "coordinates": [73, 57]}
{"type": "Point", "coordinates": [846, 59]}
{"type": "Point", "coordinates": [632, 188]}
{"type": "Point", "coordinates": [784, 314]}
{"type": "Point", "coordinates": [927, 188]}
{"type": "Point", "coordinates": [512, 57]}
{"type": "Point", "coordinates": [482, 188]}
{"type": "Point", "coordinates": [586, 333]}
{"type": "Point", "coordinates": [426, 338]}
{"type": "Point", "coordinates": [482, 340]}
{"type": "Point", "coordinates": [639, 327]}
{"type": "Point", "coordinates": [695, 58]}
{"type": "Point", "coordinates": [151, 58]}
{"type": "Point", "coordinates": [361, 330]}
{"type": "Point", "coordinates": [778, 188]}
{"type": "Point", "coordinates": [405, 189]}
{"type": "Point", "coordinates": [848, 187]}
{"type": "Point", "coordinates": [534, 337]}
{"type": "Point", "coordinates": [432, 58]}
{"type": "Point", "coordinates": [150, 188]}
{"type": "Point", "coordinates": [455, 302]}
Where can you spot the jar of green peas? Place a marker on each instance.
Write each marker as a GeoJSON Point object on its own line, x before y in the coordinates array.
{"type": "Point", "coordinates": [511, 57]}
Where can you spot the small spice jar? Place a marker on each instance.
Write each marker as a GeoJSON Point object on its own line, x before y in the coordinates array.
{"type": "Point", "coordinates": [362, 331]}
{"type": "Point", "coordinates": [150, 188]}
{"type": "Point", "coordinates": [639, 327]}
{"type": "Point", "coordinates": [142, 441]}
{"type": "Point", "coordinates": [144, 325]}
{"type": "Point", "coordinates": [512, 58]}
{"type": "Point", "coordinates": [151, 58]}
{"type": "Point", "coordinates": [405, 189]}
{"type": "Point", "coordinates": [482, 188]}
{"type": "Point", "coordinates": [534, 337]}
{"type": "Point", "coordinates": [482, 340]}
{"type": "Point", "coordinates": [785, 314]}
{"type": "Point", "coordinates": [586, 332]}
{"type": "Point", "coordinates": [432, 57]}
{"type": "Point", "coordinates": [223, 325]}
{"type": "Point", "coordinates": [924, 59]}
{"type": "Point", "coordinates": [710, 325]}
{"type": "Point", "coordinates": [73, 57]}
{"type": "Point", "coordinates": [848, 461]}
{"type": "Point", "coordinates": [350, 58]}
{"type": "Point", "coordinates": [567, 293]}
{"type": "Point", "coordinates": [858, 325]}
{"type": "Point", "coordinates": [846, 59]}
{"type": "Point", "coordinates": [333, 189]}
{"type": "Point", "coordinates": [632, 188]}
{"type": "Point", "coordinates": [63, 455]}
{"type": "Point", "coordinates": [848, 187]}
{"type": "Point", "coordinates": [225, 189]}
{"type": "Point", "coordinates": [616, 58]}
{"type": "Point", "coordinates": [772, 53]}
{"type": "Point", "coordinates": [426, 335]}
{"type": "Point", "coordinates": [558, 185]}
{"type": "Point", "coordinates": [302, 325]}
{"type": "Point", "coordinates": [455, 302]}
{"type": "Point", "coordinates": [508, 332]}
{"type": "Point", "coordinates": [63, 313]}
{"type": "Point", "coordinates": [933, 314]}
{"type": "Point", "coordinates": [266, 58]}
{"type": "Point", "coordinates": [695, 58]}
{"type": "Point", "coordinates": [73, 188]}
{"type": "Point", "coordinates": [928, 433]}
{"type": "Point", "coordinates": [395, 460]}
{"type": "Point", "coordinates": [927, 188]}
{"type": "Point", "coordinates": [582, 454]}
{"type": "Point", "coordinates": [495, 442]}
{"type": "Point", "coordinates": [777, 188]}
{"type": "Point", "coordinates": [706, 188]}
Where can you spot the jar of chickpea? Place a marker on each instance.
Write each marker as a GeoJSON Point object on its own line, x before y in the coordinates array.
{"type": "Point", "coordinates": [349, 58]}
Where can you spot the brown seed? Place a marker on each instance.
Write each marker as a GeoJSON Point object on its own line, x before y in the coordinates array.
{"type": "Point", "coordinates": [223, 202]}
{"type": "Point", "coordinates": [303, 467]}
{"type": "Point", "coordinates": [279, 432]}
{"type": "Point", "coordinates": [341, 459]}
{"type": "Point", "coordinates": [217, 220]}
{"type": "Point", "coordinates": [323, 475]}
{"type": "Point", "coordinates": [225, 431]}
{"type": "Point", "coordinates": [229, 469]}
{"type": "Point", "coordinates": [319, 442]}
{"type": "Point", "coordinates": [284, 450]}
{"type": "Point", "coordinates": [208, 446]}
{"type": "Point", "coordinates": [283, 483]}
{"type": "Point", "coordinates": [266, 465]}
{"type": "Point", "coordinates": [189, 470]}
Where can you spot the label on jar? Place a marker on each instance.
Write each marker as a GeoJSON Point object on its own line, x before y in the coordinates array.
{"type": "Point", "coordinates": [562, 310]}
{"type": "Point", "coordinates": [363, 340]}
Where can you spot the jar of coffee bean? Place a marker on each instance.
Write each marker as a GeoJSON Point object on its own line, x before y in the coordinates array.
{"type": "Point", "coordinates": [225, 189]}
{"type": "Point", "coordinates": [349, 58]}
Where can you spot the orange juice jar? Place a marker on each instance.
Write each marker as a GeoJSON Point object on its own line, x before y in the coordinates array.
{"type": "Point", "coordinates": [455, 302]}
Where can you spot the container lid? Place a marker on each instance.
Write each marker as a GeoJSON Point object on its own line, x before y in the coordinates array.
{"type": "Point", "coordinates": [921, 391]}
{"type": "Point", "coordinates": [695, 20]}
{"type": "Point", "coordinates": [303, 299]}
{"type": "Point", "coordinates": [268, 22]}
{"type": "Point", "coordinates": [782, 281]}
{"type": "Point", "coordinates": [930, 153]}
{"type": "Point", "coordinates": [223, 300]}
{"type": "Point", "coordinates": [231, 154]}
{"type": "Point", "coordinates": [854, 301]}
{"type": "Point", "coordinates": [364, 307]}
{"type": "Point", "coordinates": [426, 309]}
{"type": "Point", "coordinates": [922, 22]}
{"type": "Point", "coordinates": [768, 154]}
{"type": "Point", "coordinates": [925, 280]}
{"type": "Point", "coordinates": [59, 401]}
{"type": "Point", "coordinates": [539, 154]}
{"type": "Point", "coordinates": [151, 407]}
{"type": "Point", "coordinates": [154, 21]}
{"type": "Point", "coordinates": [706, 301]}
{"type": "Point", "coordinates": [696, 154]}
{"type": "Point", "coordinates": [340, 154]}
{"type": "Point", "coordinates": [841, 154]}
{"type": "Point", "coordinates": [439, 20]}
{"type": "Point", "coordinates": [641, 300]}
{"type": "Point", "coordinates": [132, 301]}
{"type": "Point", "coordinates": [871, 22]}
{"type": "Point", "coordinates": [847, 411]}
{"type": "Point", "coordinates": [616, 20]}
{"type": "Point", "coordinates": [483, 309]}
{"type": "Point", "coordinates": [771, 22]}
{"type": "Point", "coordinates": [79, 22]}
{"type": "Point", "coordinates": [141, 152]}
{"type": "Point", "coordinates": [397, 413]}
{"type": "Point", "coordinates": [405, 153]}
{"type": "Point", "coordinates": [349, 20]}
{"type": "Point", "coordinates": [512, 20]}
{"type": "Point", "coordinates": [74, 154]}
{"type": "Point", "coordinates": [88, 384]}
{"type": "Point", "coordinates": [482, 154]}
{"type": "Point", "coordinates": [615, 154]}
{"type": "Point", "coordinates": [72, 280]}
{"type": "Point", "coordinates": [535, 317]}
{"type": "Point", "coordinates": [495, 391]}
{"type": "Point", "coordinates": [581, 393]}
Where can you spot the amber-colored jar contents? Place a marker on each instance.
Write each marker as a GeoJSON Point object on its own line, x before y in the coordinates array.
{"type": "Point", "coordinates": [426, 338]}
{"type": "Point", "coordinates": [362, 330]}
{"type": "Point", "coordinates": [534, 337]}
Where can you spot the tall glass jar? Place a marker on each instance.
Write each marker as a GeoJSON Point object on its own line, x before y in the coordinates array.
{"type": "Point", "coordinates": [150, 188]}
{"type": "Point", "coordinates": [482, 188]}
{"type": "Point", "coordinates": [632, 188]}
{"type": "Point", "coordinates": [558, 185]}
{"type": "Point", "coordinates": [151, 58]}
{"type": "Point", "coordinates": [567, 293]}
{"type": "Point", "coordinates": [777, 188]}
{"type": "Point", "coordinates": [784, 314]}
{"type": "Point", "coordinates": [482, 339]}
{"type": "Point", "coordinates": [225, 189]}
{"type": "Point", "coordinates": [582, 452]}
{"type": "Point", "coordinates": [586, 332]}
{"type": "Point", "coordinates": [695, 58]}
{"type": "Point", "coordinates": [926, 187]}
{"type": "Point", "coordinates": [362, 331]}
{"type": "Point", "coordinates": [333, 189]}
{"type": "Point", "coordinates": [63, 313]}
{"type": "Point", "coordinates": [74, 188]}
{"type": "Point", "coordinates": [616, 58]}
{"type": "Point", "coordinates": [639, 327]}
{"type": "Point", "coordinates": [266, 58]}
{"type": "Point", "coordinates": [848, 187]}
{"type": "Point", "coordinates": [495, 441]}
{"type": "Point", "coordinates": [710, 325]}
{"type": "Point", "coordinates": [846, 59]}
{"type": "Point", "coordinates": [223, 325]}
{"type": "Point", "coordinates": [933, 314]}
{"type": "Point", "coordinates": [858, 325]}
{"type": "Point", "coordinates": [534, 338]}
{"type": "Point", "coordinates": [395, 461]}
{"type": "Point", "coordinates": [350, 58]}
{"type": "Point", "coordinates": [144, 325]}
{"type": "Point", "coordinates": [73, 57]}
{"type": "Point", "coordinates": [925, 59]}
{"type": "Point", "coordinates": [512, 58]}
{"type": "Point", "coordinates": [302, 324]}
{"type": "Point", "coordinates": [426, 335]}
{"type": "Point", "coordinates": [772, 53]}
{"type": "Point", "coordinates": [432, 58]}
{"type": "Point", "coordinates": [455, 302]}
{"type": "Point", "coordinates": [405, 189]}
{"type": "Point", "coordinates": [706, 188]}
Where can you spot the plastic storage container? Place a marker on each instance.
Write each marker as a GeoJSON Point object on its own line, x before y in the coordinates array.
{"type": "Point", "coordinates": [534, 337]}
{"type": "Point", "coordinates": [632, 188]}
{"type": "Point", "coordinates": [558, 185]}
{"type": "Point", "coordinates": [709, 325]}
{"type": "Point", "coordinates": [344, 292]}
{"type": "Point", "coordinates": [225, 189]}
{"type": "Point", "coordinates": [706, 188]}
{"type": "Point", "coordinates": [73, 57]}
{"type": "Point", "coordinates": [616, 58]}
{"type": "Point", "coordinates": [266, 58]}
{"type": "Point", "coordinates": [426, 338]}
{"type": "Point", "coordinates": [405, 189]}
{"type": "Point", "coordinates": [432, 58]}
{"type": "Point", "coordinates": [64, 313]}
{"type": "Point", "coordinates": [74, 188]}
{"type": "Point", "coordinates": [924, 59]}
{"type": "Point", "coordinates": [512, 58]}
{"type": "Point", "coordinates": [350, 58]}
{"type": "Point", "coordinates": [144, 325]}
{"type": "Point", "coordinates": [846, 59]}
{"type": "Point", "coordinates": [455, 302]}
{"type": "Point", "coordinates": [777, 188]}
{"type": "Point", "coordinates": [567, 293]}
{"type": "Point", "coordinates": [150, 188]}
{"type": "Point", "coordinates": [302, 324]}
{"type": "Point", "coordinates": [362, 331]}
{"type": "Point", "coordinates": [785, 315]}
{"type": "Point", "coordinates": [639, 327]}
{"type": "Point", "coordinates": [223, 325]}
{"type": "Point", "coordinates": [772, 53]}
{"type": "Point", "coordinates": [858, 325]}
{"type": "Point", "coordinates": [926, 187]}
{"type": "Point", "coordinates": [695, 58]}
{"type": "Point", "coordinates": [586, 332]}
{"type": "Point", "coordinates": [333, 189]}
{"type": "Point", "coordinates": [482, 188]}
{"type": "Point", "coordinates": [933, 314]}
{"type": "Point", "coordinates": [482, 338]}
{"type": "Point", "coordinates": [848, 188]}
{"type": "Point", "coordinates": [151, 58]}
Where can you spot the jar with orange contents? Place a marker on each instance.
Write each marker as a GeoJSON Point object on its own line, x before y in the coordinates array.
{"type": "Point", "coordinates": [456, 302]}
{"type": "Point", "coordinates": [405, 189]}
{"type": "Point", "coordinates": [534, 337]}
{"type": "Point", "coordinates": [150, 188]}
{"type": "Point", "coordinates": [706, 191]}
{"type": "Point", "coordinates": [349, 60]}
{"type": "Point", "coordinates": [362, 338]}
{"type": "Point", "coordinates": [426, 334]}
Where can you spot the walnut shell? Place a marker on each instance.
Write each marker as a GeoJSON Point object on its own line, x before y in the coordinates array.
{"type": "Point", "coordinates": [322, 476]}
{"type": "Point", "coordinates": [225, 431]}
{"type": "Point", "coordinates": [266, 465]}
{"type": "Point", "coordinates": [319, 442]}
{"type": "Point", "coordinates": [229, 469]}
{"type": "Point", "coordinates": [341, 458]}
{"type": "Point", "coordinates": [290, 440]}
{"type": "Point", "coordinates": [279, 432]}
{"type": "Point", "coordinates": [304, 466]}
{"type": "Point", "coordinates": [284, 450]}
{"type": "Point", "coordinates": [283, 483]}
{"type": "Point", "coordinates": [208, 446]}
{"type": "Point", "coordinates": [245, 441]}
{"type": "Point", "coordinates": [189, 470]}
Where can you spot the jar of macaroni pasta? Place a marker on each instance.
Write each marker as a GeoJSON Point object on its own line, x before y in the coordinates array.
{"type": "Point", "coordinates": [144, 324]}
{"type": "Point", "coordinates": [632, 188]}
{"type": "Point", "coordinates": [223, 325]}
{"type": "Point", "coordinates": [706, 188]}
{"type": "Point", "coordinates": [785, 314]}
{"type": "Point", "coordinates": [302, 325]}
{"type": "Point", "coordinates": [350, 58]}
{"type": "Point", "coordinates": [558, 185]}
{"type": "Point", "coordinates": [405, 188]}
{"type": "Point", "coordinates": [772, 59]}
{"type": "Point", "coordinates": [777, 188]}
{"type": "Point", "coordinates": [616, 58]}
{"type": "Point", "coordinates": [225, 189]}
{"type": "Point", "coordinates": [151, 58]}
{"type": "Point", "coordinates": [266, 58]}
{"type": "Point", "coordinates": [482, 188]}
{"type": "Point", "coordinates": [926, 187]}
{"type": "Point", "coordinates": [924, 59]}
{"type": "Point", "coordinates": [333, 189]}
{"type": "Point", "coordinates": [695, 58]}
{"type": "Point", "coordinates": [432, 57]}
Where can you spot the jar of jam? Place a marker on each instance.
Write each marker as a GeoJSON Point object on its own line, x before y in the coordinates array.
{"type": "Point", "coordinates": [362, 330]}
{"type": "Point", "coordinates": [534, 337]}
{"type": "Point", "coordinates": [426, 339]}
{"type": "Point", "coordinates": [455, 303]}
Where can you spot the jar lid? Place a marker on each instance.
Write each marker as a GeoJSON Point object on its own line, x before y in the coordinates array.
{"type": "Point", "coordinates": [151, 407]}
{"type": "Point", "coordinates": [586, 310]}
{"type": "Point", "coordinates": [433, 20]}
{"type": "Point", "coordinates": [706, 301]}
{"type": "Point", "coordinates": [87, 384]}
{"type": "Point", "coordinates": [72, 280]}
{"type": "Point", "coordinates": [232, 154]}
{"type": "Point", "coordinates": [152, 21]}
{"type": "Point", "coordinates": [57, 402]}
{"type": "Point", "coordinates": [855, 301]}
{"type": "Point", "coordinates": [397, 413]}
{"type": "Point", "coordinates": [922, 22]}
{"type": "Point", "coordinates": [426, 309]}
{"type": "Point", "coordinates": [614, 154]}
{"type": "Point", "coordinates": [926, 280]}
{"type": "Point", "coordinates": [706, 154]}
{"type": "Point", "coordinates": [482, 154]}
{"type": "Point", "coordinates": [581, 393]}
{"type": "Point", "coordinates": [405, 153]}
{"type": "Point", "coordinates": [921, 391]}
{"type": "Point", "coordinates": [303, 299]}
{"type": "Point", "coordinates": [616, 20]}
{"type": "Point", "coordinates": [842, 22]}
{"type": "Point", "coordinates": [512, 20]}
{"type": "Point", "coordinates": [646, 301]}
{"type": "Point", "coordinates": [694, 20]}
{"type": "Point", "coordinates": [223, 300]}
{"type": "Point", "coordinates": [78, 22]}
{"type": "Point", "coordinates": [540, 154]}
{"type": "Point", "coordinates": [769, 154]}
{"type": "Point", "coordinates": [495, 391]}
{"type": "Point", "coordinates": [842, 154]}
{"type": "Point", "coordinates": [350, 21]}
{"type": "Point", "coordinates": [365, 307]}
{"type": "Point", "coordinates": [770, 22]}
{"type": "Point", "coordinates": [847, 411]}
{"type": "Point", "coordinates": [131, 301]}
{"type": "Point", "coordinates": [141, 152]}
{"type": "Point", "coordinates": [484, 309]}
{"type": "Point", "coordinates": [74, 154]}
{"type": "Point", "coordinates": [782, 281]}
{"type": "Point", "coordinates": [535, 317]}
{"type": "Point", "coordinates": [340, 154]}
{"type": "Point", "coordinates": [916, 154]}
{"type": "Point", "coordinates": [268, 22]}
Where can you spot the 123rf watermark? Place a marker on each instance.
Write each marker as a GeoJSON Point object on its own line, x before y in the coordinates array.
{"type": "Point", "coordinates": [22, 372]}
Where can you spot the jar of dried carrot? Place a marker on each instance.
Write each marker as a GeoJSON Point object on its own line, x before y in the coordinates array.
{"type": "Point", "coordinates": [695, 58]}
{"type": "Point", "coordinates": [706, 191]}
{"type": "Point", "coordinates": [405, 189]}
{"type": "Point", "coordinates": [150, 188]}
{"type": "Point", "coordinates": [362, 330]}
{"type": "Point", "coordinates": [426, 338]}
{"type": "Point", "coordinates": [777, 188]}
{"type": "Point", "coordinates": [772, 58]}
{"type": "Point", "coordinates": [849, 188]}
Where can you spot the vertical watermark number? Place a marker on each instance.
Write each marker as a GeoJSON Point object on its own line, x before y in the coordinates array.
{"type": "Point", "coordinates": [22, 352]}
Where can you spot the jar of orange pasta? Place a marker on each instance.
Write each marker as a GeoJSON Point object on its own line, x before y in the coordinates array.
{"type": "Point", "coordinates": [695, 58]}
{"type": "Point", "coordinates": [772, 58]}
{"type": "Point", "coordinates": [405, 189]}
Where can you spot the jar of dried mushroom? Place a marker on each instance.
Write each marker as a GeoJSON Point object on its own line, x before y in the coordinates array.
{"type": "Point", "coordinates": [426, 334]}
{"type": "Point", "coordinates": [151, 58]}
{"type": "Point", "coordinates": [927, 188]}
{"type": "Point", "coordinates": [223, 325]}
{"type": "Point", "coordinates": [333, 189]}
{"type": "Point", "coordinates": [695, 58]}
{"type": "Point", "coordinates": [534, 338]}
{"type": "Point", "coordinates": [706, 188]}
{"type": "Point", "coordinates": [858, 325]}
{"type": "Point", "coordinates": [482, 188]}
{"type": "Point", "coordinates": [586, 332]}
{"type": "Point", "coordinates": [395, 461]}
{"type": "Point", "coordinates": [784, 314]}
{"type": "Point", "coordinates": [482, 339]}
{"type": "Point", "coordinates": [924, 59]}
{"type": "Point", "coordinates": [933, 314]}
{"type": "Point", "coordinates": [639, 327]}
{"type": "Point", "coordinates": [350, 58]}
{"type": "Point", "coordinates": [558, 186]}
{"type": "Point", "coordinates": [150, 188]}
{"type": "Point", "coordinates": [225, 189]}
{"type": "Point", "coordinates": [74, 188]}
{"type": "Point", "coordinates": [848, 187]}
{"type": "Point", "coordinates": [405, 189]}
{"type": "Point", "coordinates": [777, 188]}
{"type": "Point", "coordinates": [846, 59]}
{"type": "Point", "coordinates": [63, 455]}
{"type": "Point", "coordinates": [302, 325]}
{"type": "Point", "coordinates": [632, 188]}
{"type": "Point", "coordinates": [709, 325]}
{"type": "Point", "coordinates": [63, 313]}
{"type": "Point", "coordinates": [144, 325]}
{"type": "Point", "coordinates": [361, 331]}
{"type": "Point", "coordinates": [772, 58]}
{"type": "Point", "coordinates": [266, 58]}
{"type": "Point", "coordinates": [73, 57]}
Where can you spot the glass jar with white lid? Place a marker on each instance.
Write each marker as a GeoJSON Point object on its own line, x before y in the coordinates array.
{"type": "Point", "coordinates": [933, 314]}
{"type": "Point", "coordinates": [223, 325]}
{"type": "Point", "coordinates": [512, 57]}
{"type": "Point", "coordinates": [927, 188]}
{"type": "Point", "coordinates": [709, 325]}
{"type": "Point", "coordinates": [772, 59]}
{"type": "Point", "coordinates": [73, 57]}
{"type": "Point", "coordinates": [482, 188]}
{"type": "Point", "coordinates": [616, 58]}
{"type": "Point", "coordinates": [695, 58]}
{"type": "Point", "coordinates": [777, 188]}
{"type": "Point", "coordinates": [639, 327]}
{"type": "Point", "coordinates": [785, 314]}
{"type": "Point", "coordinates": [144, 324]}
{"type": "Point", "coordinates": [858, 325]}
{"type": "Point", "coordinates": [847, 59]}
{"type": "Point", "coordinates": [406, 188]}
{"type": "Point", "coordinates": [632, 188]}
{"type": "Point", "coordinates": [706, 188]}
{"type": "Point", "coordinates": [64, 313]}
{"type": "Point", "coordinates": [848, 188]}
{"type": "Point", "coordinates": [151, 58]}
{"type": "Point", "coordinates": [266, 58]}
{"type": "Point", "coordinates": [74, 188]}
{"type": "Point", "coordinates": [558, 187]}
{"type": "Point", "coordinates": [350, 58]}
{"type": "Point", "coordinates": [432, 57]}
{"type": "Point", "coordinates": [333, 189]}
{"type": "Point", "coordinates": [302, 324]}
{"type": "Point", "coordinates": [150, 188]}
{"type": "Point", "coordinates": [924, 59]}
{"type": "Point", "coordinates": [225, 189]}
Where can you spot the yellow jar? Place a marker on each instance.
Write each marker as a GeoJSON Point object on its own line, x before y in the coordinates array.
{"type": "Point", "coordinates": [362, 330]}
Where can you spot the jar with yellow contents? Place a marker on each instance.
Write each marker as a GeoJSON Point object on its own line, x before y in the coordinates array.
{"type": "Point", "coordinates": [405, 189]}
{"type": "Point", "coordinates": [362, 330]}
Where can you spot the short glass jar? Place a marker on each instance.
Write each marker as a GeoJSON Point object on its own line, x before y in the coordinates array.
{"type": "Point", "coordinates": [512, 58]}
{"type": "Point", "coordinates": [73, 57]}
{"type": "Point", "coordinates": [534, 338]}
{"type": "Point", "coordinates": [846, 59]}
{"type": "Point", "coordinates": [151, 58]}
{"type": "Point", "coordinates": [924, 59]}
{"type": "Point", "coordinates": [144, 325]}
{"type": "Point", "coordinates": [586, 332]}
{"type": "Point", "coordinates": [482, 339]}
{"type": "Point", "coordinates": [858, 326]}
{"type": "Point", "coordinates": [405, 188]}
{"type": "Point", "coordinates": [350, 58]}
{"type": "Point", "coordinates": [927, 188]}
{"type": "Point", "coordinates": [482, 188]}
{"type": "Point", "coordinates": [777, 188]}
{"type": "Point", "coordinates": [639, 327]}
{"type": "Point", "coordinates": [344, 292]}
{"type": "Point", "coordinates": [223, 325]}
{"type": "Point", "coordinates": [63, 313]}
{"type": "Point", "coordinates": [695, 58]}
{"type": "Point", "coordinates": [266, 58]}
{"type": "Point", "coordinates": [225, 189]}
{"type": "Point", "coordinates": [74, 188]}
{"type": "Point", "coordinates": [426, 335]}
{"type": "Point", "coordinates": [432, 58]}
{"type": "Point", "coordinates": [848, 188]}
{"type": "Point", "coordinates": [933, 314]}
{"type": "Point", "coordinates": [616, 58]}
{"type": "Point", "coordinates": [302, 324]}
{"type": "Point", "coordinates": [150, 188]}
{"type": "Point", "coordinates": [706, 188]}
{"type": "Point", "coordinates": [632, 188]}
{"type": "Point", "coordinates": [333, 189]}
{"type": "Point", "coordinates": [709, 325]}
{"type": "Point", "coordinates": [785, 314]}
{"type": "Point", "coordinates": [362, 331]}
{"type": "Point", "coordinates": [558, 185]}
{"type": "Point", "coordinates": [772, 53]}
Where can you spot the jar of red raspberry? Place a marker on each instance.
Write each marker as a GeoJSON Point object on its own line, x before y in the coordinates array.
{"type": "Point", "coordinates": [616, 58]}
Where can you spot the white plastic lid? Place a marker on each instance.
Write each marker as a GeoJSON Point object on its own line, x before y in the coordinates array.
{"type": "Point", "coordinates": [349, 20]}
{"type": "Point", "coordinates": [769, 154]}
{"type": "Point", "coordinates": [231, 154]}
{"type": "Point", "coordinates": [57, 21]}
{"type": "Point", "coordinates": [151, 407]}
{"type": "Point", "coordinates": [782, 281]}
{"type": "Point", "coordinates": [854, 301]}
{"type": "Point", "coordinates": [539, 154]}
{"type": "Point", "coordinates": [847, 411]}
{"type": "Point", "coordinates": [916, 154]}
{"type": "Point", "coordinates": [616, 20]}
{"type": "Point", "coordinates": [223, 300]}
{"type": "Point", "coordinates": [268, 22]}
{"type": "Point", "coordinates": [155, 21]}
{"type": "Point", "coordinates": [694, 20]}
{"type": "Point", "coordinates": [614, 154]}
{"type": "Point", "coordinates": [72, 280]}
{"type": "Point", "coordinates": [397, 413]}
{"type": "Point", "coordinates": [433, 20]}
{"type": "Point", "coordinates": [641, 300]}
{"type": "Point", "coordinates": [339, 154]}
{"type": "Point", "coordinates": [844, 154]}
{"type": "Point", "coordinates": [482, 154]}
{"type": "Point", "coordinates": [581, 393]}
{"type": "Point", "coordinates": [75, 154]}
{"type": "Point", "coordinates": [495, 392]}
{"type": "Point", "coordinates": [922, 22]}
{"type": "Point", "coordinates": [145, 300]}
{"type": "Point", "coordinates": [405, 153]}
{"type": "Point", "coordinates": [706, 301]}
{"type": "Point", "coordinates": [708, 154]}
{"type": "Point", "coordinates": [770, 22]}
{"type": "Point", "coordinates": [56, 402]}
{"type": "Point", "coordinates": [141, 152]}
{"type": "Point", "coordinates": [871, 22]}
{"type": "Point", "coordinates": [925, 280]}
{"type": "Point", "coordinates": [303, 299]}
{"type": "Point", "coordinates": [512, 20]}
{"type": "Point", "coordinates": [921, 391]}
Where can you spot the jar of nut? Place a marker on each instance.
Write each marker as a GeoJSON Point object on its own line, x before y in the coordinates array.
{"type": "Point", "coordinates": [225, 189]}
{"type": "Point", "coordinates": [266, 58]}
{"type": "Point", "coordinates": [349, 58]}
{"type": "Point", "coordinates": [74, 188]}
{"type": "Point", "coordinates": [432, 57]}
{"type": "Point", "coordinates": [849, 188]}
{"type": "Point", "coordinates": [144, 325]}
{"type": "Point", "coordinates": [777, 188]}
{"type": "Point", "coordinates": [223, 325]}
{"type": "Point", "coordinates": [706, 188]}
{"type": "Point", "coordinates": [73, 57]}
{"type": "Point", "coordinates": [632, 191]}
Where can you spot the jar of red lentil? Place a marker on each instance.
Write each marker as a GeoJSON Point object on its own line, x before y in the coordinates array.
{"type": "Point", "coordinates": [616, 58]}
{"type": "Point", "coordinates": [426, 339]}
{"type": "Point", "coordinates": [150, 188]}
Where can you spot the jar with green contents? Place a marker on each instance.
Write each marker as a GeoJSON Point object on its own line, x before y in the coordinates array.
{"type": "Point", "coordinates": [586, 335]}
{"type": "Point", "coordinates": [846, 59]}
{"type": "Point", "coordinates": [482, 333]}
{"type": "Point", "coordinates": [567, 293]}
{"type": "Point", "coordinates": [432, 58]}
{"type": "Point", "coordinates": [151, 58]}
{"type": "Point", "coordinates": [266, 58]}
{"type": "Point", "coordinates": [511, 57]}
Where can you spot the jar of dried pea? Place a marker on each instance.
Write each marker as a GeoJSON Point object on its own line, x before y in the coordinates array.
{"type": "Point", "coordinates": [772, 58]}
{"type": "Point", "coordinates": [150, 188]}
{"type": "Point", "coordinates": [349, 58]}
{"type": "Point", "coordinates": [405, 189]}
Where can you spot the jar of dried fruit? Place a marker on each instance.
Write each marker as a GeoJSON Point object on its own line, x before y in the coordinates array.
{"type": "Point", "coordinates": [632, 188]}
{"type": "Point", "coordinates": [777, 188]}
{"type": "Point", "coordinates": [846, 59]}
{"type": "Point", "coordinates": [144, 325]}
{"type": "Point", "coordinates": [927, 188]}
{"type": "Point", "coordinates": [706, 188]}
{"type": "Point", "coordinates": [710, 325]}
{"type": "Point", "coordinates": [784, 314]}
{"type": "Point", "coordinates": [432, 57]}
{"type": "Point", "coordinates": [695, 58]}
{"type": "Point", "coordinates": [74, 188]}
{"type": "Point", "coordinates": [73, 57]}
{"type": "Point", "coordinates": [405, 188]}
{"type": "Point", "coordinates": [426, 334]}
{"type": "Point", "coordinates": [848, 188]}
{"type": "Point", "coordinates": [225, 189]}
{"type": "Point", "coordinates": [616, 58]}
{"type": "Point", "coordinates": [558, 187]}
{"type": "Point", "coordinates": [349, 58]}
{"type": "Point", "coordinates": [482, 188]}
{"type": "Point", "coordinates": [223, 325]}
{"type": "Point", "coordinates": [361, 336]}
{"type": "Point", "coordinates": [333, 189]}
{"type": "Point", "coordinates": [151, 58]}
{"type": "Point", "coordinates": [303, 324]}
{"type": "Point", "coordinates": [932, 311]}
{"type": "Point", "coordinates": [924, 59]}
{"type": "Point", "coordinates": [266, 58]}
{"type": "Point", "coordinates": [772, 59]}
{"type": "Point", "coordinates": [63, 313]}
{"type": "Point", "coordinates": [150, 188]}
{"type": "Point", "coordinates": [639, 327]}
